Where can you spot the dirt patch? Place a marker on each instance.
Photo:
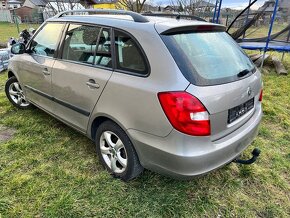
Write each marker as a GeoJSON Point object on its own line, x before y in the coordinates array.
{"type": "Point", "coordinates": [6, 133]}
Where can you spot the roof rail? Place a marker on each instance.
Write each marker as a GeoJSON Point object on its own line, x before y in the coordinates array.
{"type": "Point", "coordinates": [176, 16]}
{"type": "Point", "coordinates": [136, 17]}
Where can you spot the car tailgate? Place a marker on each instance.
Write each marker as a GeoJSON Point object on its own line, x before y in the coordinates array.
{"type": "Point", "coordinates": [218, 99]}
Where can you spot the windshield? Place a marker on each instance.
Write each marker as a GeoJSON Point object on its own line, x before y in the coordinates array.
{"type": "Point", "coordinates": [208, 58]}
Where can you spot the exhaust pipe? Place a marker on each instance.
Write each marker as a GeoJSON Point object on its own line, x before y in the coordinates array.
{"type": "Point", "coordinates": [256, 152]}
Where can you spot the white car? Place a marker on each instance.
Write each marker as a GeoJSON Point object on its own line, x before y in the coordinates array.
{"type": "Point", "coordinates": [4, 59]}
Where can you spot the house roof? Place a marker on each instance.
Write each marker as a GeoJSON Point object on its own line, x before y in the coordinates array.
{"type": "Point", "coordinates": [65, 1]}
{"type": "Point", "coordinates": [203, 4]}
{"type": "Point", "coordinates": [171, 7]}
{"type": "Point", "coordinates": [39, 2]}
{"type": "Point", "coordinates": [21, 8]}
{"type": "Point", "coordinates": [44, 2]}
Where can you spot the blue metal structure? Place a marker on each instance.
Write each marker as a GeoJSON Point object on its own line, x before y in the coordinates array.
{"type": "Point", "coordinates": [270, 31]}
{"type": "Point", "coordinates": [217, 11]}
{"type": "Point", "coordinates": [271, 25]}
{"type": "Point", "coordinates": [248, 12]}
{"type": "Point", "coordinates": [268, 44]}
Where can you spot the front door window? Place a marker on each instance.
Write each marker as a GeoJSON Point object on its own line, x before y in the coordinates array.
{"type": "Point", "coordinates": [46, 41]}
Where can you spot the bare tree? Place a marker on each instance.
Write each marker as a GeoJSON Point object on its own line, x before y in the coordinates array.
{"type": "Point", "coordinates": [67, 4]}
{"type": "Point", "coordinates": [55, 6]}
{"type": "Point", "coordinates": [131, 5]}
{"type": "Point", "coordinates": [192, 6]}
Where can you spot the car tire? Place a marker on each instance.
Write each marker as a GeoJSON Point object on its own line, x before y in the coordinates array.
{"type": "Point", "coordinates": [116, 152]}
{"type": "Point", "coordinates": [15, 93]}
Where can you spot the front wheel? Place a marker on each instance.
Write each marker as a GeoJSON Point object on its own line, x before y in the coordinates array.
{"type": "Point", "coordinates": [15, 93]}
{"type": "Point", "coordinates": [116, 151]}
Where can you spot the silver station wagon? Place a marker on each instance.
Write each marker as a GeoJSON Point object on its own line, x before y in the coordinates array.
{"type": "Point", "coordinates": [175, 96]}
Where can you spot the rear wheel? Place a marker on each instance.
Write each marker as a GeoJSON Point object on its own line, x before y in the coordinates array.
{"type": "Point", "coordinates": [15, 93]}
{"type": "Point", "coordinates": [116, 151]}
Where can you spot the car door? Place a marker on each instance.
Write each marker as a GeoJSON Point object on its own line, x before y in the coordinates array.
{"type": "Point", "coordinates": [36, 65]}
{"type": "Point", "coordinates": [81, 73]}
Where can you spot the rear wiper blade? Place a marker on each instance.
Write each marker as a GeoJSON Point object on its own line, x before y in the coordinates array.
{"type": "Point", "coordinates": [244, 73]}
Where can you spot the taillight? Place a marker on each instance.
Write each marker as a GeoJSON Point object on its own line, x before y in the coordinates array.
{"type": "Point", "coordinates": [185, 113]}
{"type": "Point", "coordinates": [261, 95]}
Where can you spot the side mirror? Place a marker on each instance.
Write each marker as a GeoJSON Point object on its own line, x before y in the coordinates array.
{"type": "Point", "coordinates": [18, 48]}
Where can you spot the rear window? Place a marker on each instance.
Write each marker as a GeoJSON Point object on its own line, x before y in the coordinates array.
{"type": "Point", "coordinates": [208, 58]}
{"type": "Point", "coordinates": [129, 55]}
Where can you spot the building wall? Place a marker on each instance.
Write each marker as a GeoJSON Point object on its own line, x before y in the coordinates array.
{"type": "Point", "coordinates": [109, 5]}
{"type": "Point", "coordinates": [5, 15]}
{"type": "Point", "coordinates": [3, 4]}
{"type": "Point", "coordinates": [23, 12]}
{"type": "Point", "coordinates": [27, 14]}
{"type": "Point", "coordinates": [13, 6]}
{"type": "Point", "coordinates": [105, 6]}
{"type": "Point", "coordinates": [29, 4]}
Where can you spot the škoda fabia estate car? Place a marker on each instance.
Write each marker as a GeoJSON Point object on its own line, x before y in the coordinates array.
{"type": "Point", "coordinates": [175, 96]}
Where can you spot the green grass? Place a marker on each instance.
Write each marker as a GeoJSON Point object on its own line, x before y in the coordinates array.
{"type": "Point", "coordinates": [262, 31]}
{"type": "Point", "coordinates": [50, 170]}
{"type": "Point", "coordinates": [8, 30]}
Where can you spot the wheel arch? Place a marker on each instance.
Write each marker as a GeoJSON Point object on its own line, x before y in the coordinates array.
{"type": "Point", "coordinates": [11, 74]}
{"type": "Point", "coordinates": [98, 120]}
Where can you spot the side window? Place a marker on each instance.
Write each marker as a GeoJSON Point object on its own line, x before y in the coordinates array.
{"type": "Point", "coordinates": [80, 43]}
{"type": "Point", "coordinates": [103, 54]}
{"type": "Point", "coordinates": [46, 41]}
{"type": "Point", "coordinates": [129, 55]}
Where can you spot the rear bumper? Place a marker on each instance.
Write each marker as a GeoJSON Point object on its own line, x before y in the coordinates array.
{"type": "Point", "coordinates": [184, 156]}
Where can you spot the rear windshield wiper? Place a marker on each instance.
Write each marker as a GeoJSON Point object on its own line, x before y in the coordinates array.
{"type": "Point", "coordinates": [244, 73]}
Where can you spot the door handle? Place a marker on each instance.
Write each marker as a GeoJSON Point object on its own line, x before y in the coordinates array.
{"type": "Point", "coordinates": [92, 84]}
{"type": "Point", "coordinates": [46, 72]}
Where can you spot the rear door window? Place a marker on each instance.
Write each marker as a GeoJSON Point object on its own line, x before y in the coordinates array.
{"type": "Point", "coordinates": [208, 58]}
{"type": "Point", "coordinates": [80, 43]}
{"type": "Point", "coordinates": [128, 54]}
{"type": "Point", "coordinates": [103, 54]}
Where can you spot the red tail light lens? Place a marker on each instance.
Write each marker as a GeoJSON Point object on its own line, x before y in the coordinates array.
{"type": "Point", "coordinates": [185, 113]}
{"type": "Point", "coordinates": [261, 95]}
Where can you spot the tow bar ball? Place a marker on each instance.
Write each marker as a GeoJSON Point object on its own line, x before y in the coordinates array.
{"type": "Point", "coordinates": [256, 152]}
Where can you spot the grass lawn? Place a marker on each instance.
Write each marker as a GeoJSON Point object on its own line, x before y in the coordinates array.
{"type": "Point", "coordinates": [257, 32]}
{"type": "Point", "coordinates": [8, 30]}
{"type": "Point", "coordinates": [50, 170]}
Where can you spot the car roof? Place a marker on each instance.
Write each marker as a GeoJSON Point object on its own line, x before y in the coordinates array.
{"type": "Point", "coordinates": [161, 24]}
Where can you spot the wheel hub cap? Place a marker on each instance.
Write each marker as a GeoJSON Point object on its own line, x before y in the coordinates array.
{"type": "Point", "coordinates": [113, 152]}
{"type": "Point", "coordinates": [16, 94]}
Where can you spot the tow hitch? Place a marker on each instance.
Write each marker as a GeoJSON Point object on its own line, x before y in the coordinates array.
{"type": "Point", "coordinates": [256, 152]}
